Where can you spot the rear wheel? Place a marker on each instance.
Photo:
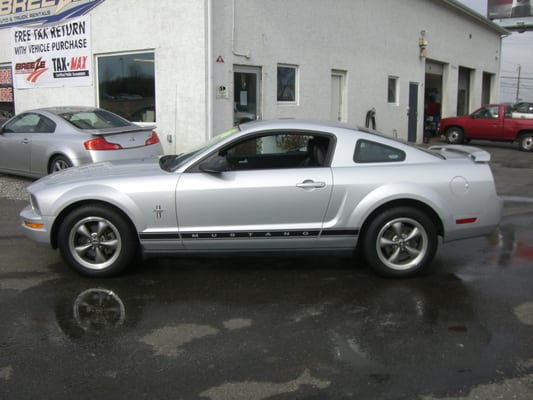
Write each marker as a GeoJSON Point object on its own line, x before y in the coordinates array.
{"type": "Point", "coordinates": [400, 242]}
{"type": "Point", "coordinates": [455, 135]}
{"type": "Point", "coordinates": [59, 163]}
{"type": "Point", "coordinates": [526, 141]}
{"type": "Point", "coordinates": [97, 241]}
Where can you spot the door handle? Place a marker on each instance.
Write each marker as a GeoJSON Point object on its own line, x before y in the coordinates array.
{"type": "Point", "coordinates": [310, 184]}
{"type": "Point", "coordinates": [25, 141]}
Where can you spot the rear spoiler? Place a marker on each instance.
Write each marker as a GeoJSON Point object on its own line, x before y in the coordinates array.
{"type": "Point", "coordinates": [454, 150]}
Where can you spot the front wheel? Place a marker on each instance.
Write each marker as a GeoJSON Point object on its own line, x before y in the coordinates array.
{"type": "Point", "coordinates": [400, 242]}
{"type": "Point", "coordinates": [526, 142]}
{"type": "Point", "coordinates": [97, 241]}
{"type": "Point", "coordinates": [455, 135]}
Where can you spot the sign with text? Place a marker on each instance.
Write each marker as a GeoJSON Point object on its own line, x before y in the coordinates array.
{"type": "Point", "coordinates": [19, 12]}
{"type": "Point", "coordinates": [52, 55]}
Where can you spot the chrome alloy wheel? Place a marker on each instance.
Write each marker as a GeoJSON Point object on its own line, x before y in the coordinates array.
{"type": "Point", "coordinates": [402, 244]}
{"type": "Point", "coordinates": [95, 243]}
{"type": "Point", "coordinates": [59, 165]}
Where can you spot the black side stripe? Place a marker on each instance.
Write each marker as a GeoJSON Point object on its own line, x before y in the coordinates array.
{"type": "Point", "coordinates": [248, 234]}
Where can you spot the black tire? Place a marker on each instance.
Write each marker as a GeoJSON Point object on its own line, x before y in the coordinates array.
{"type": "Point", "coordinates": [59, 163]}
{"type": "Point", "coordinates": [97, 241]}
{"type": "Point", "coordinates": [455, 135]}
{"type": "Point", "coordinates": [526, 141]}
{"type": "Point", "coordinates": [400, 242]}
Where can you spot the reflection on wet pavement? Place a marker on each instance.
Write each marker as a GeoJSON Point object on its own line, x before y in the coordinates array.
{"type": "Point", "coordinates": [257, 328]}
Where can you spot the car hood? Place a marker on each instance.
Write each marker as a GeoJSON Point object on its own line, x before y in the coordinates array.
{"type": "Point", "coordinates": [103, 171]}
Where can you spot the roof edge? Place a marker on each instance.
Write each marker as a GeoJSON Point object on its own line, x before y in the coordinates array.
{"type": "Point", "coordinates": [481, 19]}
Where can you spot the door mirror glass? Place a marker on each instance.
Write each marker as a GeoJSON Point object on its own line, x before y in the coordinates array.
{"type": "Point", "coordinates": [215, 165]}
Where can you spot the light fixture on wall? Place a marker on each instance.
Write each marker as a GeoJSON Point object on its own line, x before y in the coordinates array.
{"type": "Point", "coordinates": [422, 44]}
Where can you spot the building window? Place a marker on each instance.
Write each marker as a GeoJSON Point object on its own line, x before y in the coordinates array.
{"type": "Point", "coordinates": [126, 85]}
{"type": "Point", "coordinates": [287, 76]}
{"type": "Point", "coordinates": [392, 90]}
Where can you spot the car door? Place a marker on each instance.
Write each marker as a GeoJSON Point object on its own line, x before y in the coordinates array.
{"type": "Point", "coordinates": [15, 142]}
{"type": "Point", "coordinates": [274, 196]}
{"type": "Point", "coordinates": [485, 123]}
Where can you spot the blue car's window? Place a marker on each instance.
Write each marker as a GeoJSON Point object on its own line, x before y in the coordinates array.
{"type": "Point", "coordinates": [367, 151]}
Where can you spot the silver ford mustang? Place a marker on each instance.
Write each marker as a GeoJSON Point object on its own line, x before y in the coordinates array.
{"type": "Point", "coordinates": [284, 186]}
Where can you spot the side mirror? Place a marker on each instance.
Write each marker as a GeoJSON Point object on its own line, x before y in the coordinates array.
{"type": "Point", "coordinates": [215, 165]}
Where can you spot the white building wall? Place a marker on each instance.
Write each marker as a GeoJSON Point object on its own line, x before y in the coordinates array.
{"type": "Point", "coordinates": [369, 40]}
{"type": "Point", "coordinates": [176, 32]}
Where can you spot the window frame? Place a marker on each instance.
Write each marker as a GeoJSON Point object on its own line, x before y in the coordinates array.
{"type": "Point", "coordinates": [136, 56]}
{"type": "Point", "coordinates": [295, 88]}
{"type": "Point", "coordinates": [395, 90]}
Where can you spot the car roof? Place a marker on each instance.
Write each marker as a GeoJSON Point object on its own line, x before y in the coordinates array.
{"type": "Point", "coordinates": [289, 123]}
{"type": "Point", "coordinates": [319, 126]}
{"type": "Point", "coordinates": [64, 109]}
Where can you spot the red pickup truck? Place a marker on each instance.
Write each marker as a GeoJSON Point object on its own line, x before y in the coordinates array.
{"type": "Point", "coordinates": [501, 122]}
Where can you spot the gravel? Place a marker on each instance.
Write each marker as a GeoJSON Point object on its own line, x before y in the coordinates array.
{"type": "Point", "coordinates": [14, 187]}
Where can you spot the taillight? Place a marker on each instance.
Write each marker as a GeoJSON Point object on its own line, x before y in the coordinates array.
{"type": "Point", "coordinates": [152, 139]}
{"type": "Point", "coordinates": [100, 143]}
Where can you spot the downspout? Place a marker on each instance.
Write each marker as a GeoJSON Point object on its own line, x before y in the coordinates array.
{"type": "Point", "coordinates": [235, 53]}
{"type": "Point", "coordinates": [209, 65]}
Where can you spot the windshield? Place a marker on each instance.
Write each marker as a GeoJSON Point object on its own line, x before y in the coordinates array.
{"type": "Point", "coordinates": [95, 119]}
{"type": "Point", "coordinates": [173, 162]}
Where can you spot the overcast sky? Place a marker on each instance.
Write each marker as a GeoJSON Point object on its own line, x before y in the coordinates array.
{"type": "Point", "coordinates": [517, 50]}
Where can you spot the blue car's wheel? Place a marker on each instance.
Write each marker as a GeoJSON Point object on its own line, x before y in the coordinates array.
{"type": "Point", "coordinates": [97, 241]}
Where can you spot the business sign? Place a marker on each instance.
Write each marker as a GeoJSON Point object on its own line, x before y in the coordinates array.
{"type": "Point", "coordinates": [19, 12]}
{"type": "Point", "coordinates": [511, 14]}
{"type": "Point", "coordinates": [500, 9]}
{"type": "Point", "coordinates": [52, 55]}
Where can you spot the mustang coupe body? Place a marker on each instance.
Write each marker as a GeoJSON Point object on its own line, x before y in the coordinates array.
{"type": "Point", "coordinates": [270, 186]}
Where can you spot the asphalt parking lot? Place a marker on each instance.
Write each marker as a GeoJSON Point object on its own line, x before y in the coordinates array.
{"type": "Point", "coordinates": [292, 328]}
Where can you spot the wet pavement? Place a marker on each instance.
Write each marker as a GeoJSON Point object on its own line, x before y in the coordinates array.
{"type": "Point", "coordinates": [276, 328]}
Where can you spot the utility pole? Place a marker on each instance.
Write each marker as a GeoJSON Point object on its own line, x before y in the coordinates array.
{"type": "Point", "coordinates": [518, 84]}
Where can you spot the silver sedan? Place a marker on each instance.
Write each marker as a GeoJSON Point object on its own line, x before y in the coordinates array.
{"type": "Point", "coordinates": [280, 186]}
{"type": "Point", "coordinates": [38, 142]}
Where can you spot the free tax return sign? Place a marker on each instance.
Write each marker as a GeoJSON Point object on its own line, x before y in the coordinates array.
{"type": "Point", "coordinates": [18, 12]}
{"type": "Point", "coordinates": [52, 55]}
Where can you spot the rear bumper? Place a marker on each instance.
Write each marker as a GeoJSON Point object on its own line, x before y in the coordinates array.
{"type": "Point", "coordinates": [485, 223]}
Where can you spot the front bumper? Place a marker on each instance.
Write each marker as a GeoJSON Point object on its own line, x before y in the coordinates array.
{"type": "Point", "coordinates": [35, 226]}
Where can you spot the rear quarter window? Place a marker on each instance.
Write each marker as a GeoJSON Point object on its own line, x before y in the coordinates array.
{"type": "Point", "coordinates": [367, 151]}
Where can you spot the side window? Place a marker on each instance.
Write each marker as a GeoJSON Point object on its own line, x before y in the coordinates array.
{"type": "Point", "coordinates": [24, 123]}
{"type": "Point", "coordinates": [280, 150]}
{"type": "Point", "coordinates": [30, 123]}
{"type": "Point", "coordinates": [46, 125]}
{"type": "Point", "coordinates": [372, 152]}
{"type": "Point", "coordinates": [487, 113]}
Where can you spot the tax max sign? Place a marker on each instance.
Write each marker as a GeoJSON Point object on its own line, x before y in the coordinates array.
{"type": "Point", "coordinates": [18, 12]}
{"type": "Point", "coordinates": [52, 55]}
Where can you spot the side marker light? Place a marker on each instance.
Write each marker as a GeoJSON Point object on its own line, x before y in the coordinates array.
{"type": "Point", "coordinates": [33, 225]}
{"type": "Point", "coordinates": [463, 221]}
